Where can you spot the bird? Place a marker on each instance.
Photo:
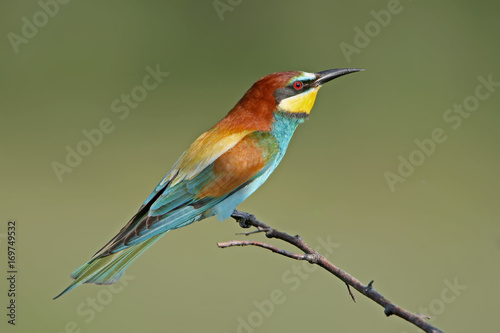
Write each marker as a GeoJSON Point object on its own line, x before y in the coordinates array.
{"type": "Point", "coordinates": [218, 171]}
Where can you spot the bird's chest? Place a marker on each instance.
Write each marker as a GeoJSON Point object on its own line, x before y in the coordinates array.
{"type": "Point", "coordinates": [283, 129]}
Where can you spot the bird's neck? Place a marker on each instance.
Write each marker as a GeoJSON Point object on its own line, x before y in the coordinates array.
{"type": "Point", "coordinates": [283, 128]}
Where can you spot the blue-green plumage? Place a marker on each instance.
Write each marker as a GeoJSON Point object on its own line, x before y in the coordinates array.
{"type": "Point", "coordinates": [176, 207]}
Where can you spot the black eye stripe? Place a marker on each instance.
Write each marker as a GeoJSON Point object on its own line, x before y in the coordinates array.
{"type": "Point", "coordinates": [283, 93]}
{"type": "Point", "coordinates": [290, 90]}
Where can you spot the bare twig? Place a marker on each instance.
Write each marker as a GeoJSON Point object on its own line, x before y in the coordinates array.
{"type": "Point", "coordinates": [350, 292]}
{"type": "Point", "coordinates": [247, 220]}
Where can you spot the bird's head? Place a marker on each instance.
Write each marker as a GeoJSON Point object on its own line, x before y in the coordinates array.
{"type": "Point", "coordinates": [297, 92]}
{"type": "Point", "coordinates": [290, 93]}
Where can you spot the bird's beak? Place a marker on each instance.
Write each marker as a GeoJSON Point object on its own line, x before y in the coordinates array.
{"type": "Point", "coordinates": [328, 75]}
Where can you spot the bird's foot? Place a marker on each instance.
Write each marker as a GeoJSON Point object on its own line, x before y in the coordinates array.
{"type": "Point", "coordinates": [243, 218]}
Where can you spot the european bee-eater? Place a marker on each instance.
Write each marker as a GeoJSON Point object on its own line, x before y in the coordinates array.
{"type": "Point", "coordinates": [217, 172]}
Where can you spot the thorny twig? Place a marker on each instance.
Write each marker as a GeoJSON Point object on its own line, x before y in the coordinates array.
{"type": "Point", "coordinates": [247, 220]}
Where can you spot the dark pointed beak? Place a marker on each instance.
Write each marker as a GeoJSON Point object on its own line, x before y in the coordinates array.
{"type": "Point", "coordinates": [328, 75]}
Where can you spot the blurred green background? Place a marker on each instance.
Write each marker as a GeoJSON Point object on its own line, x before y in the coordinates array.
{"type": "Point", "coordinates": [438, 227]}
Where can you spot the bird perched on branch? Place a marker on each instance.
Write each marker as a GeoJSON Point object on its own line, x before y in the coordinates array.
{"type": "Point", "coordinates": [217, 172]}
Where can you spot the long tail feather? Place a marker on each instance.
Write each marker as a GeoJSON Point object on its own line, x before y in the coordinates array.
{"type": "Point", "coordinates": [108, 269]}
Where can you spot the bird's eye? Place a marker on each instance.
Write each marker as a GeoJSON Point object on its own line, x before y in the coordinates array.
{"type": "Point", "coordinates": [297, 85]}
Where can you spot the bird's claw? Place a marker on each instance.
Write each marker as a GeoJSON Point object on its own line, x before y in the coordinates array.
{"type": "Point", "coordinates": [242, 218]}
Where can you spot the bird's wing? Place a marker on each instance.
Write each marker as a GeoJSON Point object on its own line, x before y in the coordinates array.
{"type": "Point", "coordinates": [203, 151]}
{"type": "Point", "coordinates": [208, 174]}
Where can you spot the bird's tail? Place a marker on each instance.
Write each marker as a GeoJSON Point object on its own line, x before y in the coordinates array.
{"type": "Point", "coordinates": [108, 269]}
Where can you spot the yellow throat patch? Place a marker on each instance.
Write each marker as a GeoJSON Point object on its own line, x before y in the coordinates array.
{"type": "Point", "coordinates": [301, 103]}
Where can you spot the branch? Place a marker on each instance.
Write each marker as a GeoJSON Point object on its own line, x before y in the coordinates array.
{"type": "Point", "coordinates": [247, 220]}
